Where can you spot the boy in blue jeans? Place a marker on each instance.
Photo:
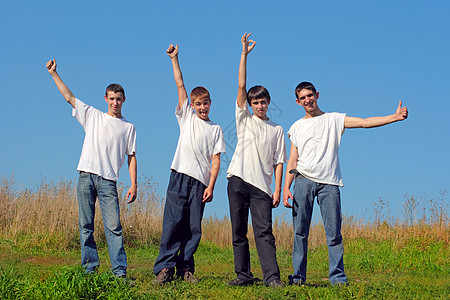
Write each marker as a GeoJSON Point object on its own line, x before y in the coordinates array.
{"type": "Point", "coordinates": [314, 162]}
{"type": "Point", "coordinates": [195, 168]}
{"type": "Point", "coordinates": [109, 137]}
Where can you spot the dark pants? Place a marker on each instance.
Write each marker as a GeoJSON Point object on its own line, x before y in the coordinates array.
{"type": "Point", "coordinates": [242, 197]}
{"type": "Point", "coordinates": [182, 221]}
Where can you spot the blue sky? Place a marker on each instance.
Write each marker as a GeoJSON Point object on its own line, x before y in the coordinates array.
{"type": "Point", "coordinates": [363, 57]}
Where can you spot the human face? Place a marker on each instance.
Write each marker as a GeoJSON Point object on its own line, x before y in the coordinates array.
{"type": "Point", "coordinates": [308, 99]}
{"type": "Point", "coordinates": [260, 107]}
{"type": "Point", "coordinates": [202, 107]}
{"type": "Point", "coordinates": [115, 101]}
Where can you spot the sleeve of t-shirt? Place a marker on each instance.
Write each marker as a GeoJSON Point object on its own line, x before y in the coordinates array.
{"type": "Point", "coordinates": [241, 115]}
{"type": "Point", "coordinates": [219, 145]}
{"type": "Point", "coordinates": [280, 155]}
{"type": "Point", "coordinates": [292, 134]}
{"type": "Point", "coordinates": [183, 112]}
{"type": "Point", "coordinates": [131, 146]}
{"type": "Point", "coordinates": [340, 121]}
{"type": "Point", "coordinates": [82, 112]}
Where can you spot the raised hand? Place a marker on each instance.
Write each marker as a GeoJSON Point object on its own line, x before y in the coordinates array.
{"type": "Point", "coordinates": [402, 112]}
{"type": "Point", "coordinates": [247, 45]}
{"type": "Point", "coordinates": [51, 66]}
{"type": "Point", "coordinates": [172, 51]}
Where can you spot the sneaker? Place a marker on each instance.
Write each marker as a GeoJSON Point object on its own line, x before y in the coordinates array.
{"type": "Point", "coordinates": [240, 282]}
{"type": "Point", "coordinates": [189, 277]}
{"type": "Point", "coordinates": [166, 275]}
{"type": "Point", "coordinates": [276, 283]}
{"type": "Point", "coordinates": [295, 281]}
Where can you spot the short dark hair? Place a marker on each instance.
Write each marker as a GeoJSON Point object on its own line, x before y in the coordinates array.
{"type": "Point", "coordinates": [257, 92]}
{"type": "Point", "coordinates": [199, 92]}
{"type": "Point", "coordinates": [115, 88]}
{"type": "Point", "coordinates": [304, 85]}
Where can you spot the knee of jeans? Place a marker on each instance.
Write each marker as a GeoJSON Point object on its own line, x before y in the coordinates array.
{"type": "Point", "coordinates": [334, 240]}
{"type": "Point", "coordinates": [115, 227]}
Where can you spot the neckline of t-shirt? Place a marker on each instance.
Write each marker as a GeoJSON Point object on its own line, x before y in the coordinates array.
{"type": "Point", "coordinates": [314, 117]}
{"type": "Point", "coordinates": [258, 118]}
{"type": "Point", "coordinates": [109, 116]}
{"type": "Point", "coordinates": [207, 121]}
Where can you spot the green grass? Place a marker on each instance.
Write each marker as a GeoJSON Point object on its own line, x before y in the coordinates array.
{"type": "Point", "coordinates": [417, 269]}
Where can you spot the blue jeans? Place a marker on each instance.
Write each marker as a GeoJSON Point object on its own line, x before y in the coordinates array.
{"type": "Point", "coordinates": [243, 197]}
{"type": "Point", "coordinates": [90, 187]}
{"type": "Point", "coordinates": [182, 223]}
{"type": "Point", "coordinates": [329, 200]}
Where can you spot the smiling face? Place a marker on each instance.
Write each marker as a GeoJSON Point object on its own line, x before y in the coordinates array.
{"type": "Point", "coordinates": [115, 101]}
{"type": "Point", "coordinates": [260, 107]}
{"type": "Point", "coordinates": [202, 107]}
{"type": "Point", "coordinates": [308, 99]}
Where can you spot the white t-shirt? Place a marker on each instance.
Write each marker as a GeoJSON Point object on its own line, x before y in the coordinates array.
{"type": "Point", "coordinates": [106, 142]}
{"type": "Point", "coordinates": [199, 141]}
{"type": "Point", "coordinates": [318, 140]}
{"type": "Point", "coordinates": [260, 146]}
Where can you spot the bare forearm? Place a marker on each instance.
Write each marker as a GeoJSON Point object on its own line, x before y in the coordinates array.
{"type": "Point", "coordinates": [288, 179]}
{"type": "Point", "coordinates": [242, 81]}
{"type": "Point", "coordinates": [292, 164]}
{"type": "Point", "coordinates": [132, 168]}
{"type": "Point", "coordinates": [182, 95]}
{"type": "Point", "coordinates": [63, 89]}
{"type": "Point", "coordinates": [369, 122]}
{"type": "Point", "coordinates": [400, 114]}
{"type": "Point", "coordinates": [215, 167]}
{"type": "Point", "coordinates": [177, 72]}
{"type": "Point", "coordinates": [278, 176]}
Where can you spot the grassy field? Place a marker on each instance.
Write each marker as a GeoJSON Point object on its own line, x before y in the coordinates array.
{"type": "Point", "coordinates": [384, 258]}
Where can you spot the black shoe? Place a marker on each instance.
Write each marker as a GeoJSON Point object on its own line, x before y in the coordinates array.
{"type": "Point", "coordinates": [292, 281]}
{"type": "Point", "coordinates": [276, 283]}
{"type": "Point", "coordinates": [240, 282]}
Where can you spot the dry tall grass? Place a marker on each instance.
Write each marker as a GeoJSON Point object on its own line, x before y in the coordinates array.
{"type": "Point", "coordinates": [48, 217]}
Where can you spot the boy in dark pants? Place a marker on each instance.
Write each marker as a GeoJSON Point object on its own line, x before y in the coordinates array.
{"type": "Point", "coordinates": [260, 152]}
{"type": "Point", "coordinates": [195, 168]}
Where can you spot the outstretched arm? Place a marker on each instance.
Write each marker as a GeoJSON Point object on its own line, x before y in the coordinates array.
{"type": "Point", "coordinates": [292, 164]}
{"type": "Point", "coordinates": [215, 167]}
{"type": "Point", "coordinates": [132, 167]}
{"type": "Point", "coordinates": [182, 95]}
{"type": "Point", "coordinates": [400, 115]}
{"type": "Point", "coordinates": [247, 47]}
{"type": "Point", "coordinates": [64, 90]}
{"type": "Point", "coordinates": [278, 170]}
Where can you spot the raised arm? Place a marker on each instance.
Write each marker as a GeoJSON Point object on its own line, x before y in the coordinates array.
{"type": "Point", "coordinates": [132, 168]}
{"type": "Point", "coordinates": [292, 164]}
{"type": "Point", "coordinates": [400, 115]}
{"type": "Point", "coordinates": [215, 167]}
{"type": "Point", "coordinates": [173, 53]}
{"type": "Point", "coordinates": [278, 170]}
{"type": "Point", "coordinates": [64, 90]}
{"type": "Point", "coordinates": [247, 46]}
